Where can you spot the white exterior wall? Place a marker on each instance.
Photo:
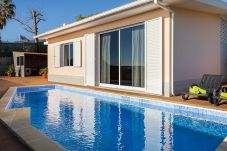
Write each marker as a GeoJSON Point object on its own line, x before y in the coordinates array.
{"type": "Point", "coordinates": [196, 47]}
{"type": "Point", "coordinates": [69, 74]}
{"type": "Point", "coordinates": [224, 48]}
{"type": "Point", "coordinates": [74, 75]}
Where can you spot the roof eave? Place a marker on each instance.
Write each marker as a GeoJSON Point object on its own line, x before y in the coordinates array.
{"type": "Point", "coordinates": [97, 17]}
{"type": "Point", "coordinates": [129, 10]}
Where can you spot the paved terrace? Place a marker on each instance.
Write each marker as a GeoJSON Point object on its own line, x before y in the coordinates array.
{"type": "Point", "coordinates": [10, 142]}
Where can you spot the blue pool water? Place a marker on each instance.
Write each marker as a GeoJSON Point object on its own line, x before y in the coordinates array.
{"type": "Point", "coordinates": [81, 121]}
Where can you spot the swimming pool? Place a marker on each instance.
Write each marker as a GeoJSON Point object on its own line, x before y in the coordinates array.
{"type": "Point", "coordinates": [85, 120]}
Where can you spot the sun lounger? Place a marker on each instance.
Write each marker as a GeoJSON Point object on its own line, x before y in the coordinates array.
{"type": "Point", "coordinates": [205, 89]}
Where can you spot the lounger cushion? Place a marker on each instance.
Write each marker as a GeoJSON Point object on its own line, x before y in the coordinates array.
{"type": "Point", "coordinates": [223, 95]}
{"type": "Point", "coordinates": [196, 90]}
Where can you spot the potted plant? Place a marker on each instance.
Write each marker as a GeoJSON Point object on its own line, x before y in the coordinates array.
{"type": "Point", "coordinates": [11, 71]}
{"type": "Point", "coordinates": [43, 72]}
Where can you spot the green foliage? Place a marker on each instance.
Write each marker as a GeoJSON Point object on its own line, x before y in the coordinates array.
{"type": "Point", "coordinates": [11, 70]}
{"type": "Point", "coordinates": [6, 49]}
{"type": "Point", "coordinates": [43, 71]}
{"type": "Point", "coordinates": [81, 17]}
{"type": "Point", "coordinates": [7, 11]}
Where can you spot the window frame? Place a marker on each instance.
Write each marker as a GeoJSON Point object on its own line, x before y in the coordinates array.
{"type": "Point", "coordinates": [70, 55]}
{"type": "Point", "coordinates": [19, 59]}
{"type": "Point", "coordinates": [119, 85]}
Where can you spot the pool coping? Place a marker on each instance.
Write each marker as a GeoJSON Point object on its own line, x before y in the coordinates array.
{"type": "Point", "coordinates": [18, 120]}
{"type": "Point", "coordinates": [222, 146]}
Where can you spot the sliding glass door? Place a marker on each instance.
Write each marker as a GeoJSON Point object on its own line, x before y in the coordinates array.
{"type": "Point", "coordinates": [132, 56]}
{"type": "Point", "coordinates": [109, 62]}
{"type": "Point", "coordinates": [122, 57]}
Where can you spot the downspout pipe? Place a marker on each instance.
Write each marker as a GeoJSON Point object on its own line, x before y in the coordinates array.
{"type": "Point", "coordinates": [172, 16]}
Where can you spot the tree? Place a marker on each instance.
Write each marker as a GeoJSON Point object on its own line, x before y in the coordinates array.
{"type": "Point", "coordinates": [81, 17]}
{"type": "Point", "coordinates": [7, 9]}
{"type": "Point", "coordinates": [36, 16]}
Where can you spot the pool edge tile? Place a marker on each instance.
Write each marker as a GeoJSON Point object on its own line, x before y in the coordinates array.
{"type": "Point", "coordinates": [156, 101]}
{"type": "Point", "coordinates": [18, 121]}
{"type": "Point", "coordinates": [36, 143]}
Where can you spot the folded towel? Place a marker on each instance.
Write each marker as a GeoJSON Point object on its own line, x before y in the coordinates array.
{"type": "Point", "coordinates": [196, 90]}
{"type": "Point", "coordinates": [223, 94]}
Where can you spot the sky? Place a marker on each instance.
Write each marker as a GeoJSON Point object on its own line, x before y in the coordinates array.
{"type": "Point", "coordinates": [57, 12]}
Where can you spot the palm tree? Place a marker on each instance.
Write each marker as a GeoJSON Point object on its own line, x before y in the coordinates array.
{"type": "Point", "coordinates": [6, 12]}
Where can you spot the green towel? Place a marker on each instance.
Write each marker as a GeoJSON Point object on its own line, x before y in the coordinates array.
{"type": "Point", "coordinates": [196, 90]}
{"type": "Point", "coordinates": [223, 94]}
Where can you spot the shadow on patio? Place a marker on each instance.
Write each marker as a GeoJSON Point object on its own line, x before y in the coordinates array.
{"type": "Point", "coordinates": [8, 140]}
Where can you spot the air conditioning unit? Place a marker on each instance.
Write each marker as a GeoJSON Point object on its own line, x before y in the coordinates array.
{"type": "Point", "coordinates": [28, 71]}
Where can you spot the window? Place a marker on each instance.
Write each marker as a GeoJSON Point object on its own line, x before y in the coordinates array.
{"type": "Point", "coordinates": [110, 58]}
{"type": "Point", "coordinates": [122, 59]}
{"type": "Point", "coordinates": [68, 54]}
{"type": "Point", "coordinates": [132, 56]}
{"type": "Point", "coordinates": [20, 60]}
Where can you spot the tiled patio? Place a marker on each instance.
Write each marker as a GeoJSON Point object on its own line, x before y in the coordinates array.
{"type": "Point", "coordinates": [6, 82]}
{"type": "Point", "coordinates": [11, 142]}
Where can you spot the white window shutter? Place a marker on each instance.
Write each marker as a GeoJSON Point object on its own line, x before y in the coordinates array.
{"type": "Point", "coordinates": [57, 55]}
{"type": "Point", "coordinates": [154, 82]}
{"type": "Point", "coordinates": [90, 59]}
{"type": "Point", "coordinates": [77, 54]}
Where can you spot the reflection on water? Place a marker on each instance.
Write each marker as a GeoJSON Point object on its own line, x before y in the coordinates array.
{"type": "Point", "coordinates": [80, 122]}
